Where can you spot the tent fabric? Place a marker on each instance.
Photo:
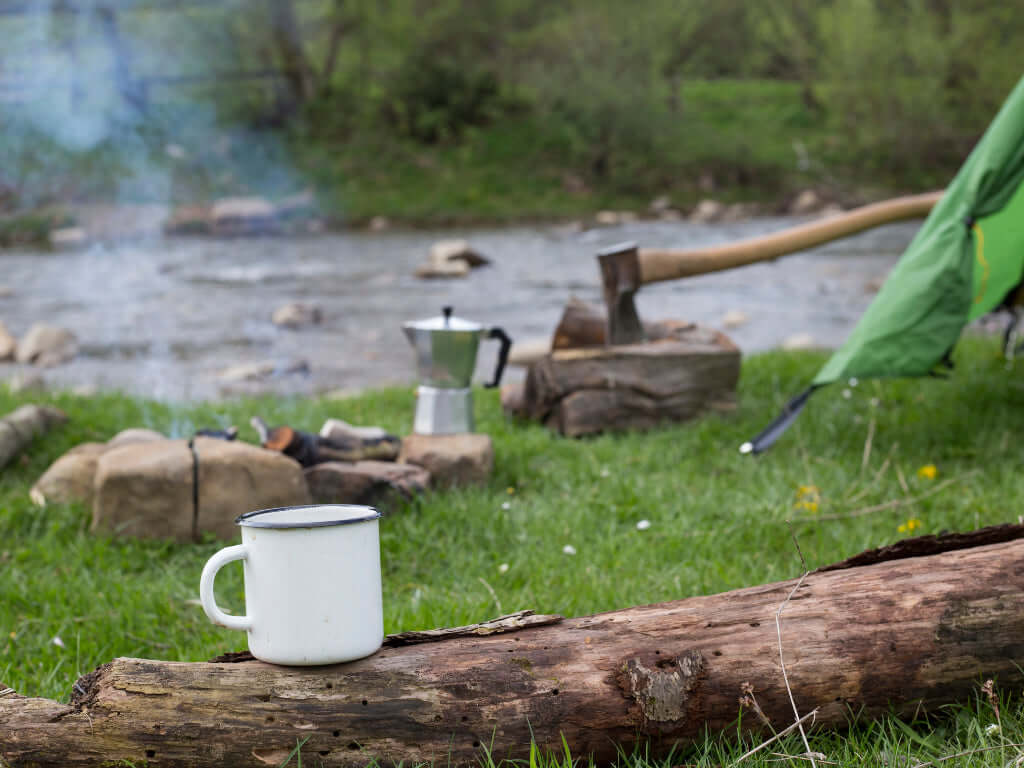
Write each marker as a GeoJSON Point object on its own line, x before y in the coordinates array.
{"type": "Point", "coordinates": [963, 262]}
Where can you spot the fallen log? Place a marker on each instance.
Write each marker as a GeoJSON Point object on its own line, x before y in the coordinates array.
{"type": "Point", "coordinates": [22, 425]}
{"type": "Point", "coordinates": [917, 631]}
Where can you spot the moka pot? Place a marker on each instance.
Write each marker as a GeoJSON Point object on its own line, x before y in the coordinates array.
{"type": "Point", "coordinates": [446, 348]}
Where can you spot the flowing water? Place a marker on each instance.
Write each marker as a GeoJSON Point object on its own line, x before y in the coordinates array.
{"type": "Point", "coordinates": [163, 317]}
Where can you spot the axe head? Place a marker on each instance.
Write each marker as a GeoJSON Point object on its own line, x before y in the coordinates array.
{"type": "Point", "coordinates": [620, 273]}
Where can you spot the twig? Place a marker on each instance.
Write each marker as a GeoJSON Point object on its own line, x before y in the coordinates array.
{"type": "Point", "coordinates": [903, 480]}
{"type": "Point", "coordinates": [789, 729]}
{"type": "Point", "coordinates": [796, 544]}
{"type": "Point", "coordinates": [785, 677]}
{"type": "Point", "coordinates": [494, 594]}
{"type": "Point", "coordinates": [878, 475]}
{"type": "Point", "coordinates": [944, 758]}
{"type": "Point", "coordinates": [866, 456]}
{"type": "Point", "coordinates": [889, 504]}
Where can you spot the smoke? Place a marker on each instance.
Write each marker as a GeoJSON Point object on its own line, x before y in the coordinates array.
{"type": "Point", "coordinates": [104, 99]}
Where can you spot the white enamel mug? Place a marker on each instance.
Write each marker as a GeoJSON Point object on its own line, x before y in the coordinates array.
{"type": "Point", "coordinates": [312, 584]}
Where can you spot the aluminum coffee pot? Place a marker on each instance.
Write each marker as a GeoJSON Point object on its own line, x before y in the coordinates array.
{"type": "Point", "coordinates": [446, 348]}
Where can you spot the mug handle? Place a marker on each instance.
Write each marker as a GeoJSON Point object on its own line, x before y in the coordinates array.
{"type": "Point", "coordinates": [213, 611]}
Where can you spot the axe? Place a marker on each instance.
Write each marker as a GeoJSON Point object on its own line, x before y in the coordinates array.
{"type": "Point", "coordinates": [625, 267]}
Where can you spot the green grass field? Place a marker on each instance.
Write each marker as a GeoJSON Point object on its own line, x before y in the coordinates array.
{"type": "Point", "coordinates": [717, 522]}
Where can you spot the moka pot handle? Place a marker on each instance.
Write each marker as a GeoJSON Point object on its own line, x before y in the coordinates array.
{"type": "Point", "coordinates": [506, 345]}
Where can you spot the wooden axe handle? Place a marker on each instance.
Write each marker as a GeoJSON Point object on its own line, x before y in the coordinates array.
{"type": "Point", "coordinates": [659, 264]}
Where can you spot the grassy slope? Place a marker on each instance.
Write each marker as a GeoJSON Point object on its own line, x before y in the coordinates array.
{"type": "Point", "coordinates": [717, 522]}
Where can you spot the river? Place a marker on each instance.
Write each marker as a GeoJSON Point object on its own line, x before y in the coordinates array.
{"type": "Point", "coordinates": [163, 317]}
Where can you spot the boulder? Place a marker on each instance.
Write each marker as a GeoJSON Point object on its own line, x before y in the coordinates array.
{"type": "Point", "coordinates": [8, 344]}
{"type": "Point", "coordinates": [444, 251]}
{"type": "Point", "coordinates": [296, 314]}
{"type": "Point", "coordinates": [47, 345]}
{"type": "Point", "coordinates": [707, 211]}
{"type": "Point", "coordinates": [235, 478]}
{"type": "Point", "coordinates": [452, 460]}
{"type": "Point", "coordinates": [375, 483]}
{"type": "Point", "coordinates": [456, 268]}
{"type": "Point", "coordinates": [233, 216]}
{"type": "Point", "coordinates": [134, 435]}
{"type": "Point", "coordinates": [145, 490]}
{"type": "Point", "coordinates": [70, 478]}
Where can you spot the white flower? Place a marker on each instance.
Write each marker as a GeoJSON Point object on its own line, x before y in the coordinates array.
{"type": "Point", "coordinates": [605, 472]}
{"type": "Point", "coordinates": [506, 505]}
{"type": "Point", "coordinates": [503, 568]}
{"type": "Point", "coordinates": [847, 394]}
{"type": "Point", "coordinates": [643, 525]}
{"type": "Point", "coordinates": [874, 402]}
{"type": "Point", "coordinates": [57, 641]}
{"type": "Point", "coordinates": [853, 381]}
{"type": "Point", "coordinates": [569, 549]}
{"type": "Point", "coordinates": [990, 729]}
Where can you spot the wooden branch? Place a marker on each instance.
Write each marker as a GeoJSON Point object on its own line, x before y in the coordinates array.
{"type": "Point", "coordinates": [914, 632]}
{"type": "Point", "coordinates": [663, 264]}
{"type": "Point", "coordinates": [20, 427]}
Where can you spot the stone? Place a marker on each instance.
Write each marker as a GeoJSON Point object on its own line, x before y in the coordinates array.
{"type": "Point", "coordinates": [734, 318]}
{"type": "Point", "coordinates": [444, 251]}
{"type": "Point", "coordinates": [379, 224]}
{"type": "Point", "coordinates": [806, 202]}
{"type": "Point", "coordinates": [830, 210]}
{"type": "Point", "coordinates": [374, 483]}
{"type": "Point", "coordinates": [738, 212]}
{"type": "Point", "coordinates": [243, 216]}
{"type": "Point", "coordinates": [47, 345]}
{"type": "Point", "coordinates": [525, 353]}
{"type": "Point", "coordinates": [145, 490]}
{"type": "Point", "coordinates": [8, 344]}
{"type": "Point", "coordinates": [660, 204]}
{"type": "Point", "coordinates": [236, 477]}
{"type": "Point", "coordinates": [263, 370]}
{"type": "Point", "coordinates": [296, 315]}
{"type": "Point", "coordinates": [607, 218]}
{"type": "Point", "coordinates": [452, 460]}
{"type": "Point", "coordinates": [799, 341]}
{"type": "Point", "coordinates": [26, 381]}
{"type": "Point", "coordinates": [134, 435]}
{"type": "Point", "coordinates": [6, 291]}
{"type": "Point", "coordinates": [70, 478]}
{"type": "Point", "coordinates": [456, 268]}
{"type": "Point", "coordinates": [670, 215]}
{"type": "Point", "coordinates": [69, 237]}
{"type": "Point", "coordinates": [189, 220]}
{"type": "Point", "coordinates": [707, 211]}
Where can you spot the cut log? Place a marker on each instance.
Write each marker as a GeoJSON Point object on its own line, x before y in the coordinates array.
{"type": "Point", "coordinates": [586, 325]}
{"type": "Point", "coordinates": [916, 632]}
{"type": "Point", "coordinates": [22, 425]}
{"type": "Point", "coordinates": [687, 371]}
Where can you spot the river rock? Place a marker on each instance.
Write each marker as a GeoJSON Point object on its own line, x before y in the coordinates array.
{"type": "Point", "coordinates": [799, 341]}
{"type": "Point", "coordinates": [70, 478]}
{"type": "Point", "coordinates": [263, 370]}
{"type": "Point", "coordinates": [457, 268]}
{"type": "Point", "coordinates": [379, 224]}
{"type": "Point", "coordinates": [47, 345]}
{"type": "Point", "coordinates": [806, 202]}
{"type": "Point", "coordinates": [69, 237]}
{"type": "Point", "coordinates": [134, 435]}
{"type": "Point", "coordinates": [145, 490]}
{"type": "Point", "coordinates": [444, 251]}
{"type": "Point", "coordinates": [233, 216]}
{"type": "Point", "coordinates": [607, 218]}
{"type": "Point", "coordinates": [6, 291]}
{"type": "Point", "coordinates": [375, 483]}
{"type": "Point", "coordinates": [296, 314]}
{"type": "Point", "coordinates": [236, 477]}
{"type": "Point", "coordinates": [8, 344]}
{"type": "Point", "coordinates": [189, 220]}
{"type": "Point", "coordinates": [660, 204]}
{"type": "Point", "coordinates": [452, 460]}
{"type": "Point", "coordinates": [734, 318]}
{"type": "Point", "coordinates": [707, 211]}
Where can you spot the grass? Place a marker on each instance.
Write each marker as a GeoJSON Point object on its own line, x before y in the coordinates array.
{"type": "Point", "coordinates": [717, 522]}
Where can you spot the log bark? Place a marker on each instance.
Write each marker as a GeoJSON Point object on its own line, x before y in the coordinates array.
{"type": "Point", "coordinates": [686, 371]}
{"type": "Point", "coordinates": [21, 426]}
{"type": "Point", "coordinates": [909, 633]}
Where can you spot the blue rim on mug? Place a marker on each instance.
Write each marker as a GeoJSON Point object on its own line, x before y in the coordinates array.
{"type": "Point", "coordinates": [247, 518]}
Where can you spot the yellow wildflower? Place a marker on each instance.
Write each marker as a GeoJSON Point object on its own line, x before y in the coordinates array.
{"type": "Point", "coordinates": [510, 490]}
{"type": "Point", "coordinates": [808, 498]}
{"type": "Point", "coordinates": [911, 525]}
{"type": "Point", "coordinates": [928, 471]}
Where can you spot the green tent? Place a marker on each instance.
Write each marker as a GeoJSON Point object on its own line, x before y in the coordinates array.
{"type": "Point", "coordinates": [965, 261]}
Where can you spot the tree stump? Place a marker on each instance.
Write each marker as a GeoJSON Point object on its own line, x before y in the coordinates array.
{"type": "Point", "coordinates": [583, 387]}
